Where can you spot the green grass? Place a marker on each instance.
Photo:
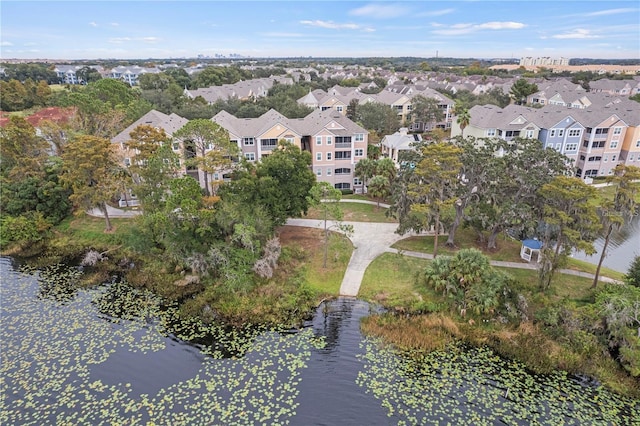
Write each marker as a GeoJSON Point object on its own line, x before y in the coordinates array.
{"type": "Point", "coordinates": [356, 212]}
{"type": "Point", "coordinates": [327, 280]}
{"type": "Point", "coordinates": [608, 192]}
{"type": "Point", "coordinates": [508, 249]}
{"type": "Point", "coordinates": [391, 279]}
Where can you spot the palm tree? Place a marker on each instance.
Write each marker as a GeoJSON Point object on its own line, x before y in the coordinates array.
{"type": "Point", "coordinates": [463, 119]}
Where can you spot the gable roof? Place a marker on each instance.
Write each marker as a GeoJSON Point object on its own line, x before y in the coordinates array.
{"type": "Point", "coordinates": [169, 123]}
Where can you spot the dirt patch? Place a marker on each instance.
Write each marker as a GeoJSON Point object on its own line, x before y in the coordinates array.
{"type": "Point", "coordinates": [309, 239]}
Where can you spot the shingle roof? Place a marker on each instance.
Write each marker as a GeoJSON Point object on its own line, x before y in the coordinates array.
{"type": "Point", "coordinates": [169, 123]}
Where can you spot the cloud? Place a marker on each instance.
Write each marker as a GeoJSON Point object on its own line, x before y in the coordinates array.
{"type": "Point", "coordinates": [611, 12]}
{"type": "Point", "coordinates": [380, 11]}
{"type": "Point", "coordinates": [93, 24]}
{"type": "Point", "coordinates": [6, 43]}
{"type": "Point", "coordinates": [578, 33]}
{"type": "Point", "coordinates": [440, 12]}
{"type": "Point", "coordinates": [150, 39]}
{"type": "Point", "coordinates": [282, 35]}
{"type": "Point", "coordinates": [460, 29]}
{"type": "Point", "coordinates": [115, 24]}
{"type": "Point", "coordinates": [332, 25]}
{"type": "Point", "coordinates": [119, 40]}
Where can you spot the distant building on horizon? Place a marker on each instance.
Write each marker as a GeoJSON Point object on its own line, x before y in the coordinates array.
{"type": "Point", "coordinates": [543, 61]}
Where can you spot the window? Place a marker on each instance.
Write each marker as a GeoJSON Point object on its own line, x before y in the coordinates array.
{"type": "Point", "coordinates": [553, 133]}
{"type": "Point", "coordinates": [328, 156]}
{"type": "Point", "coordinates": [175, 146]}
{"type": "Point", "coordinates": [359, 137]}
{"type": "Point", "coordinates": [638, 144]}
{"type": "Point", "coordinates": [209, 146]}
{"type": "Point", "coordinates": [598, 144]}
{"type": "Point", "coordinates": [342, 185]}
{"type": "Point", "coordinates": [268, 143]}
{"type": "Point", "coordinates": [560, 133]}
{"type": "Point", "coordinates": [359, 152]}
{"type": "Point", "coordinates": [491, 132]}
{"type": "Point", "coordinates": [613, 144]}
{"type": "Point", "coordinates": [574, 132]}
{"type": "Point", "coordinates": [590, 173]}
{"type": "Point", "coordinates": [339, 108]}
{"type": "Point", "coordinates": [613, 157]}
{"type": "Point", "coordinates": [631, 157]}
{"type": "Point", "coordinates": [324, 108]}
{"type": "Point", "coordinates": [558, 146]}
{"type": "Point", "coordinates": [250, 156]}
{"type": "Point", "coordinates": [343, 155]}
{"type": "Point", "coordinates": [357, 181]}
{"type": "Point", "coordinates": [605, 158]}
{"type": "Point", "coordinates": [289, 139]}
{"type": "Point", "coordinates": [127, 161]}
{"type": "Point", "coordinates": [318, 172]}
{"type": "Point", "coordinates": [328, 171]}
{"type": "Point", "coordinates": [602, 131]}
{"type": "Point", "coordinates": [343, 171]}
{"type": "Point", "coordinates": [318, 156]}
{"type": "Point", "coordinates": [595, 158]}
{"type": "Point", "coordinates": [248, 141]}
{"type": "Point", "coordinates": [617, 130]}
{"type": "Point", "coordinates": [318, 140]}
{"type": "Point", "coordinates": [582, 157]}
{"type": "Point", "coordinates": [529, 134]}
{"type": "Point", "coordinates": [344, 141]}
{"type": "Point", "coordinates": [216, 176]}
{"type": "Point", "coordinates": [329, 141]}
{"type": "Point", "coordinates": [571, 147]}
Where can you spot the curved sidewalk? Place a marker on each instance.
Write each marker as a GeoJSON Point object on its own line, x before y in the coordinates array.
{"type": "Point", "coordinates": [371, 239]}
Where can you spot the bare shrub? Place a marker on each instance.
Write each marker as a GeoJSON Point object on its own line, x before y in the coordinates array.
{"type": "Point", "coordinates": [91, 258]}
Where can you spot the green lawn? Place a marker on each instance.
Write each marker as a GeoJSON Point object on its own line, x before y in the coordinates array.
{"type": "Point", "coordinates": [356, 212]}
{"type": "Point", "coordinates": [508, 249]}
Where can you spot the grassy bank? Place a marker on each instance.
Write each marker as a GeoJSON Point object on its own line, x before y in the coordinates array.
{"type": "Point", "coordinates": [299, 282]}
{"type": "Point", "coordinates": [420, 320]}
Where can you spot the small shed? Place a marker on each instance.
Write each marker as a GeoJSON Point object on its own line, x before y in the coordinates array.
{"type": "Point", "coordinates": [529, 248]}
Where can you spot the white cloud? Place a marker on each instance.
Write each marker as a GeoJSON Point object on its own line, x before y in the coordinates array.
{"type": "Point", "coordinates": [93, 24]}
{"type": "Point", "coordinates": [115, 24]}
{"type": "Point", "coordinates": [6, 43]}
{"type": "Point", "coordinates": [282, 35]}
{"type": "Point", "coordinates": [578, 33]}
{"type": "Point", "coordinates": [119, 40]}
{"type": "Point", "coordinates": [380, 11]}
{"type": "Point", "coordinates": [460, 29]}
{"type": "Point", "coordinates": [440, 12]}
{"type": "Point", "coordinates": [331, 25]}
{"type": "Point", "coordinates": [611, 12]}
{"type": "Point", "coordinates": [150, 39]}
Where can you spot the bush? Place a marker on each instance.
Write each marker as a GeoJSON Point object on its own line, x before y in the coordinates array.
{"type": "Point", "coordinates": [25, 229]}
{"type": "Point", "coordinates": [633, 274]}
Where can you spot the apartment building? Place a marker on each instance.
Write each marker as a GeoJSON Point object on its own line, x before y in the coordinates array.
{"type": "Point", "coordinates": [335, 142]}
{"type": "Point", "coordinates": [595, 139]}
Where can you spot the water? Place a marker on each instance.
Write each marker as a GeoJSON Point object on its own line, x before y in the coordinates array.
{"type": "Point", "coordinates": [624, 245]}
{"type": "Point", "coordinates": [72, 356]}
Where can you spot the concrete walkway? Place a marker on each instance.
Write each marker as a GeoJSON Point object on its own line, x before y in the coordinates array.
{"type": "Point", "coordinates": [371, 239]}
{"type": "Point", "coordinates": [114, 212]}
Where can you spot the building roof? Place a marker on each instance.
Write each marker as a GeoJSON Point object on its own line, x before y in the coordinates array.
{"type": "Point", "coordinates": [169, 123]}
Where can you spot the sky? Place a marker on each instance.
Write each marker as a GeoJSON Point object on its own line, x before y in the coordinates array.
{"type": "Point", "coordinates": [455, 28]}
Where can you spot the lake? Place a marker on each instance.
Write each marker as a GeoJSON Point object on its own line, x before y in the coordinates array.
{"type": "Point", "coordinates": [623, 247]}
{"type": "Point", "coordinates": [115, 355]}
